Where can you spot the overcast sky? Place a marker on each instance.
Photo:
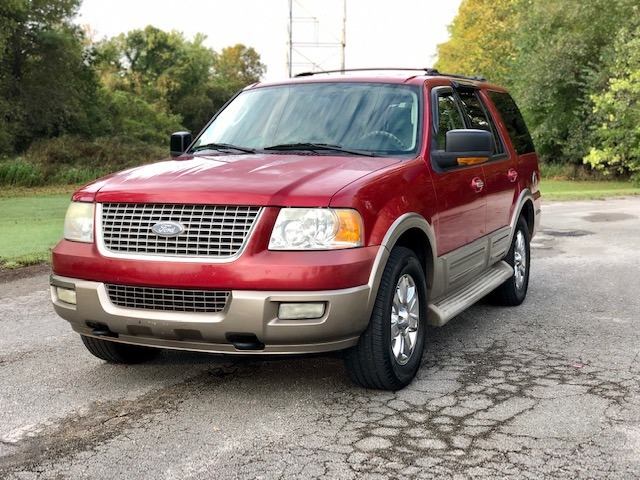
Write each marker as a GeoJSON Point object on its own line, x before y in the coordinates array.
{"type": "Point", "coordinates": [379, 33]}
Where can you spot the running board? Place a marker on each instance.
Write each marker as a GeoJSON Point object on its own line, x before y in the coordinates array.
{"type": "Point", "coordinates": [444, 310]}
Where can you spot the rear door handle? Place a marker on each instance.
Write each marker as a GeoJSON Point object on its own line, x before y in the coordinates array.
{"type": "Point", "coordinates": [477, 184]}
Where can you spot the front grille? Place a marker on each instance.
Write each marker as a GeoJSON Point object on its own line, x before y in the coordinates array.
{"type": "Point", "coordinates": [168, 299]}
{"type": "Point", "coordinates": [209, 230]}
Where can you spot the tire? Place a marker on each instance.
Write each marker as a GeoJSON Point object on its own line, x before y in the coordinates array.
{"type": "Point", "coordinates": [114, 352]}
{"type": "Point", "coordinates": [513, 291]}
{"type": "Point", "coordinates": [388, 353]}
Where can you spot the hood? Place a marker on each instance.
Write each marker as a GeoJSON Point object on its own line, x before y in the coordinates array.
{"type": "Point", "coordinates": [263, 179]}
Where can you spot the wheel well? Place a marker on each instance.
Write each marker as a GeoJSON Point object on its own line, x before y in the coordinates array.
{"type": "Point", "coordinates": [528, 214]}
{"type": "Point", "coordinates": [416, 240]}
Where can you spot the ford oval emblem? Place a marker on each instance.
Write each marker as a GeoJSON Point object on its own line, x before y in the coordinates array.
{"type": "Point", "coordinates": [167, 229]}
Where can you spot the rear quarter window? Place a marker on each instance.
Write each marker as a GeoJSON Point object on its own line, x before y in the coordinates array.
{"type": "Point", "coordinates": [512, 118]}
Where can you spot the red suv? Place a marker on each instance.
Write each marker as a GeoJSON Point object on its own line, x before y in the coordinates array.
{"type": "Point", "coordinates": [326, 212]}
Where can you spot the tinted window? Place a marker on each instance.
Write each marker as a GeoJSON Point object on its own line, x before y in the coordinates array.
{"type": "Point", "coordinates": [477, 116]}
{"type": "Point", "coordinates": [514, 122]}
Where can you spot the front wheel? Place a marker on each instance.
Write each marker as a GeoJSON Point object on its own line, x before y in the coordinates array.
{"type": "Point", "coordinates": [513, 291]}
{"type": "Point", "coordinates": [115, 352]}
{"type": "Point", "coordinates": [389, 351]}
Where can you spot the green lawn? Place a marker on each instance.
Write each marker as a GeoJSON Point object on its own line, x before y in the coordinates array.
{"type": "Point", "coordinates": [30, 227]}
{"type": "Point", "coordinates": [558, 190]}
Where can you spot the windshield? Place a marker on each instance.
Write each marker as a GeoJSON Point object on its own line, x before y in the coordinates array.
{"type": "Point", "coordinates": [372, 117]}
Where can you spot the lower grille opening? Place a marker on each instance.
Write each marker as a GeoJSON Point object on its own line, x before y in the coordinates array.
{"type": "Point", "coordinates": [168, 299]}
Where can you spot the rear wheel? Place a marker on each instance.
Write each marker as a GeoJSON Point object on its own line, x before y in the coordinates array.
{"type": "Point", "coordinates": [514, 290]}
{"type": "Point", "coordinates": [115, 352]}
{"type": "Point", "coordinates": [389, 351]}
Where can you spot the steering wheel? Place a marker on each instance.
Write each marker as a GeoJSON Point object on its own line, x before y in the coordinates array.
{"type": "Point", "coordinates": [387, 135]}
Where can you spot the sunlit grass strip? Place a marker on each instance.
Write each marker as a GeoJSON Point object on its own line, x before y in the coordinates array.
{"type": "Point", "coordinates": [558, 190]}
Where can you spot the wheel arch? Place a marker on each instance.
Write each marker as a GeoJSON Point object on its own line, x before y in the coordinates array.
{"type": "Point", "coordinates": [412, 231]}
{"type": "Point", "coordinates": [525, 209]}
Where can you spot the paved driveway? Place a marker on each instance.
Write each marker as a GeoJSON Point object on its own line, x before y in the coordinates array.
{"type": "Point", "coordinates": [550, 389]}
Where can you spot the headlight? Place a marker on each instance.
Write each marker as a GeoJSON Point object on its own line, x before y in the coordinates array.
{"type": "Point", "coordinates": [316, 229]}
{"type": "Point", "coordinates": [78, 223]}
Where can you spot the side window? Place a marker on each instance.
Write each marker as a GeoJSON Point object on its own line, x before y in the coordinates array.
{"type": "Point", "coordinates": [477, 116]}
{"type": "Point", "coordinates": [514, 122]}
{"type": "Point", "coordinates": [449, 116]}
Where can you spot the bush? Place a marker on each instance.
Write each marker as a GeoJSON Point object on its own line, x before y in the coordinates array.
{"type": "Point", "coordinates": [110, 153]}
{"type": "Point", "coordinates": [20, 173]}
{"type": "Point", "coordinates": [617, 113]}
{"type": "Point", "coordinates": [71, 160]}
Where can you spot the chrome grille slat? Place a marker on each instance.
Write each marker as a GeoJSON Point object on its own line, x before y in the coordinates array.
{"type": "Point", "coordinates": [167, 299]}
{"type": "Point", "coordinates": [218, 231]}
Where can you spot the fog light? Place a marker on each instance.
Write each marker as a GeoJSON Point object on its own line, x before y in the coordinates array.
{"type": "Point", "coordinates": [66, 295]}
{"type": "Point", "coordinates": [300, 311]}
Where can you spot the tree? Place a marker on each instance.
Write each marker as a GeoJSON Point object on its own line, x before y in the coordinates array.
{"type": "Point", "coordinates": [46, 84]}
{"type": "Point", "coordinates": [552, 55]}
{"type": "Point", "coordinates": [239, 64]}
{"type": "Point", "coordinates": [616, 109]}
{"type": "Point", "coordinates": [157, 65]}
{"type": "Point", "coordinates": [481, 40]}
{"type": "Point", "coordinates": [176, 75]}
{"type": "Point", "coordinates": [559, 47]}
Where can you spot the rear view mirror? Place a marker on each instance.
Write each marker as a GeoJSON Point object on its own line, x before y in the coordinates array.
{"type": "Point", "coordinates": [179, 143]}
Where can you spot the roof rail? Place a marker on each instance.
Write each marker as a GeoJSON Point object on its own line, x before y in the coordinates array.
{"type": "Point", "coordinates": [426, 71]}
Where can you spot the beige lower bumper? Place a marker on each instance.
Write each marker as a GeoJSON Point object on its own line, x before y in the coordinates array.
{"type": "Point", "coordinates": [248, 314]}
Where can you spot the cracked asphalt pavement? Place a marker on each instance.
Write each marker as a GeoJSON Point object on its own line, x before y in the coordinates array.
{"type": "Point", "coordinates": [546, 390]}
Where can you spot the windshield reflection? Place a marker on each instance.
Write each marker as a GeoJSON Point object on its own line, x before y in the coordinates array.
{"type": "Point", "coordinates": [372, 117]}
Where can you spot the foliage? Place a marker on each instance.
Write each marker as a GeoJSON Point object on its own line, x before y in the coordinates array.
{"type": "Point", "coordinates": [616, 110]}
{"type": "Point", "coordinates": [20, 172]}
{"type": "Point", "coordinates": [481, 40]}
{"type": "Point", "coordinates": [559, 45]}
{"type": "Point", "coordinates": [46, 85]}
{"type": "Point", "coordinates": [73, 160]}
{"type": "Point", "coordinates": [130, 116]}
{"type": "Point", "coordinates": [64, 97]}
{"type": "Point", "coordinates": [239, 64]}
{"type": "Point", "coordinates": [174, 75]}
{"type": "Point", "coordinates": [556, 57]}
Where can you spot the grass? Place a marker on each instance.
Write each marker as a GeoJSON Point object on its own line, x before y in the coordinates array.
{"type": "Point", "coordinates": [31, 227]}
{"type": "Point", "coordinates": [566, 190]}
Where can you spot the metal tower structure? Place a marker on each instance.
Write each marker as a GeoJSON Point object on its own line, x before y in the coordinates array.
{"type": "Point", "coordinates": [313, 43]}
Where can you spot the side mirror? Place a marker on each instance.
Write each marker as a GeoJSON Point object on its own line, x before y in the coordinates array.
{"type": "Point", "coordinates": [465, 141]}
{"type": "Point", "coordinates": [179, 143]}
{"type": "Point", "coordinates": [465, 147]}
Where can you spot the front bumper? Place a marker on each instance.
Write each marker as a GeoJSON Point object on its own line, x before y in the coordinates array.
{"type": "Point", "coordinates": [247, 315]}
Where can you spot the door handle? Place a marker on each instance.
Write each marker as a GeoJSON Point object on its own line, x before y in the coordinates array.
{"type": "Point", "coordinates": [477, 184]}
{"type": "Point", "coordinates": [512, 175]}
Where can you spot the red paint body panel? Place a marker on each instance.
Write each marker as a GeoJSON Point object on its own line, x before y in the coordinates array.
{"type": "Point", "coordinates": [266, 180]}
{"type": "Point", "coordinates": [266, 270]}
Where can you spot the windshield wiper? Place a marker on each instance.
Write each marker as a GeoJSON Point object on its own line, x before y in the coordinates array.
{"type": "Point", "coordinates": [317, 146]}
{"type": "Point", "coordinates": [222, 147]}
